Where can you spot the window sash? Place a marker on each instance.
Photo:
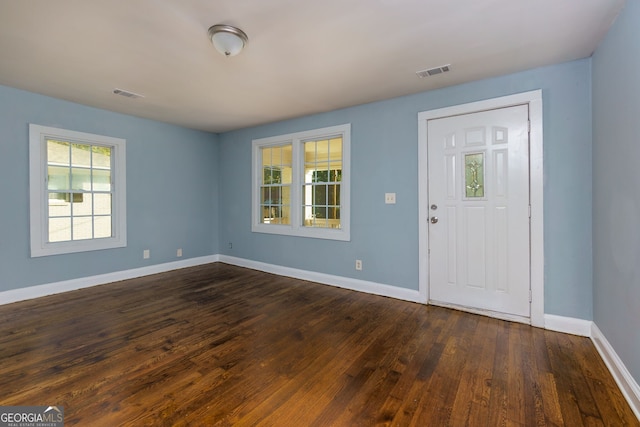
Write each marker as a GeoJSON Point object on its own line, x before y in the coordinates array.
{"type": "Point", "coordinates": [90, 211]}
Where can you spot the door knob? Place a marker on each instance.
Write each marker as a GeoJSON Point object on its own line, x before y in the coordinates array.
{"type": "Point", "coordinates": [434, 219]}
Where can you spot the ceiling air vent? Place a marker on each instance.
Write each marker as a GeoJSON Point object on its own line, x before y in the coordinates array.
{"type": "Point", "coordinates": [127, 94]}
{"type": "Point", "coordinates": [433, 71]}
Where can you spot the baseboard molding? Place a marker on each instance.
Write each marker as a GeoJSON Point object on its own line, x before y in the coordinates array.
{"type": "Point", "coordinates": [568, 325]}
{"type": "Point", "coordinates": [15, 295]}
{"type": "Point", "coordinates": [628, 385]}
{"type": "Point", "coordinates": [328, 279]}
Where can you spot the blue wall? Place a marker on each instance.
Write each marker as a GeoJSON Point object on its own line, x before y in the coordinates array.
{"type": "Point", "coordinates": [196, 188]}
{"type": "Point", "coordinates": [616, 210]}
{"type": "Point", "coordinates": [172, 185]}
{"type": "Point", "coordinates": [384, 148]}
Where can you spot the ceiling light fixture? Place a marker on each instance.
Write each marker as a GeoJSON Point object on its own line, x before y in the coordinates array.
{"type": "Point", "coordinates": [228, 40]}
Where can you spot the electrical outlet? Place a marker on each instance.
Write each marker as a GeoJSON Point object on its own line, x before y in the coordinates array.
{"type": "Point", "coordinates": [179, 252]}
{"type": "Point", "coordinates": [146, 254]}
{"type": "Point", "coordinates": [390, 198]}
{"type": "Point", "coordinates": [230, 245]}
{"type": "Point", "coordinates": [358, 264]}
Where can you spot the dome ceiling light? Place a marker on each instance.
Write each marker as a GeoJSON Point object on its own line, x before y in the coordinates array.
{"type": "Point", "coordinates": [228, 40]}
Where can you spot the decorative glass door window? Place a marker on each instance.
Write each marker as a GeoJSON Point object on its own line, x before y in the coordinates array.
{"type": "Point", "coordinates": [275, 186]}
{"type": "Point", "coordinates": [474, 175]}
{"type": "Point", "coordinates": [79, 191]}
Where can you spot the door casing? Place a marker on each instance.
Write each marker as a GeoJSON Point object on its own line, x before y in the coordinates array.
{"type": "Point", "coordinates": [536, 181]}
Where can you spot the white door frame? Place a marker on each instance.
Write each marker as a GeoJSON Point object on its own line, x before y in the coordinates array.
{"type": "Point", "coordinates": [536, 182]}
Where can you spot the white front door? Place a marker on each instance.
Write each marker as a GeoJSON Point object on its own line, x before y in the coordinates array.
{"type": "Point", "coordinates": [478, 204]}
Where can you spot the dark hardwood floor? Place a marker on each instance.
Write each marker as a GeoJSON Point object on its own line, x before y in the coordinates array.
{"type": "Point", "coordinates": [223, 345]}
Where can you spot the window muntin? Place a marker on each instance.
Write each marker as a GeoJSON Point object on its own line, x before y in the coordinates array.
{"type": "Point", "coordinates": [78, 192]}
{"type": "Point", "coordinates": [301, 184]}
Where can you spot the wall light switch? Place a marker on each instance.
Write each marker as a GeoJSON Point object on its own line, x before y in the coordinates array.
{"type": "Point", "coordinates": [390, 198]}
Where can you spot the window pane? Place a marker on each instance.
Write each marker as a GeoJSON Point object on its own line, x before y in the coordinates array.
{"type": "Point", "coordinates": [310, 151]}
{"type": "Point", "coordinates": [59, 229]}
{"type": "Point", "coordinates": [265, 195]}
{"type": "Point", "coordinates": [102, 227]}
{"type": "Point", "coordinates": [264, 214]}
{"type": "Point", "coordinates": [285, 217]}
{"type": "Point", "coordinates": [59, 204]}
{"type": "Point", "coordinates": [101, 157]}
{"type": "Point", "coordinates": [81, 155]}
{"type": "Point", "coordinates": [83, 206]}
{"type": "Point", "coordinates": [57, 152]}
{"type": "Point", "coordinates": [81, 179]}
{"type": "Point", "coordinates": [333, 195]}
{"type": "Point", "coordinates": [102, 204]}
{"type": "Point", "coordinates": [276, 155]}
{"type": "Point", "coordinates": [322, 149]}
{"type": "Point", "coordinates": [319, 195]}
{"type": "Point", "coordinates": [272, 175]}
{"type": "Point", "coordinates": [334, 212]}
{"type": "Point", "coordinates": [58, 178]}
{"type": "Point", "coordinates": [320, 212]}
{"type": "Point", "coordinates": [82, 228]}
{"type": "Point", "coordinates": [335, 149]}
{"type": "Point", "coordinates": [285, 195]}
{"type": "Point", "coordinates": [287, 173]}
{"type": "Point", "coordinates": [101, 180]}
{"type": "Point", "coordinates": [321, 175]}
{"type": "Point", "coordinates": [287, 154]}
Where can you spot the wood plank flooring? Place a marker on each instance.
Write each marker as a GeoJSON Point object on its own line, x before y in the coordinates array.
{"type": "Point", "coordinates": [223, 345]}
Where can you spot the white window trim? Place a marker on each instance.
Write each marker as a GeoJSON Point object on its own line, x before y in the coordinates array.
{"type": "Point", "coordinates": [38, 192]}
{"type": "Point", "coordinates": [296, 228]}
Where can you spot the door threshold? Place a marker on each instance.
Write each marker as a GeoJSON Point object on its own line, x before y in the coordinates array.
{"type": "Point", "coordinates": [483, 312]}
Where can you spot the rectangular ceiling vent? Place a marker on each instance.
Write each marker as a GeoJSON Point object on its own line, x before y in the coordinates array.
{"type": "Point", "coordinates": [127, 94]}
{"type": "Point", "coordinates": [433, 71]}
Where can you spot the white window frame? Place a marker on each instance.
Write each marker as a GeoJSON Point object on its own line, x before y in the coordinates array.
{"type": "Point", "coordinates": [296, 228]}
{"type": "Point", "coordinates": [38, 208]}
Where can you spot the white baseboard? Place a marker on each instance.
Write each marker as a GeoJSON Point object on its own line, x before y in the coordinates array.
{"type": "Point", "coordinates": [628, 385]}
{"type": "Point", "coordinates": [568, 325]}
{"type": "Point", "coordinates": [14, 295]}
{"type": "Point", "coordinates": [328, 279]}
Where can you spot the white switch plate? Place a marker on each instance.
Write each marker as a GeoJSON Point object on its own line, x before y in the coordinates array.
{"type": "Point", "coordinates": [146, 254]}
{"type": "Point", "coordinates": [179, 252]}
{"type": "Point", "coordinates": [390, 198]}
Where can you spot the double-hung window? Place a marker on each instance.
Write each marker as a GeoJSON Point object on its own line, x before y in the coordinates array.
{"type": "Point", "coordinates": [77, 191]}
{"type": "Point", "coordinates": [301, 184]}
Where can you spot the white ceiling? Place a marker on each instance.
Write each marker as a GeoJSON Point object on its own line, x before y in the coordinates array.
{"type": "Point", "coordinates": [303, 56]}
